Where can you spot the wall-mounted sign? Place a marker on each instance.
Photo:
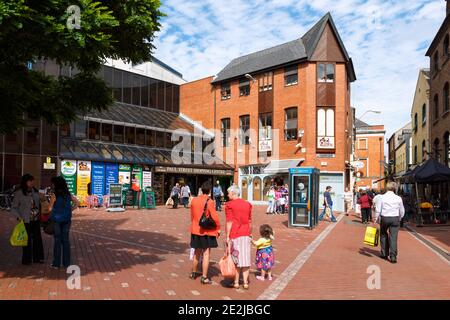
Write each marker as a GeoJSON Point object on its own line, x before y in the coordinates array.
{"type": "Point", "coordinates": [358, 164]}
{"type": "Point", "coordinates": [48, 165]}
{"type": "Point", "coordinates": [181, 170]}
{"type": "Point", "coordinates": [98, 180]}
{"type": "Point", "coordinates": [69, 173]}
{"type": "Point", "coordinates": [146, 179]}
{"type": "Point", "coordinates": [265, 145]}
{"type": "Point", "coordinates": [325, 142]}
{"type": "Point", "coordinates": [83, 179]}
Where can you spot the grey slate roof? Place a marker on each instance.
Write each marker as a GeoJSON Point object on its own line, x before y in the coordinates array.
{"type": "Point", "coordinates": [283, 54]}
{"type": "Point", "coordinates": [361, 124]}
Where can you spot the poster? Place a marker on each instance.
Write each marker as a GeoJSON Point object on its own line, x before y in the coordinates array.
{"type": "Point", "coordinates": [146, 179]}
{"type": "Point", "coordinates": [83, 178]}
{"type": "Point", "coordinates": [69, 173]}
{"type": "Point", "coordinates": [111, 175]}
{"type": "Point", "coordinates": [136, 178]}
{"type": "Point", "coordinates": [115, 194]}
{"type": "Point", "coordinates": [98, 180]}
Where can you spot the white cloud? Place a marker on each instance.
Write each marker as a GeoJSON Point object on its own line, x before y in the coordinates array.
{"type": "Point", "coordinates": [382, 36]}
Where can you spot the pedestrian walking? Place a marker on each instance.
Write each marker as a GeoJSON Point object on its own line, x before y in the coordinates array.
{"type": "Point", "coordinates": [271, 208]}
{"type": "Point", "coordinates": [265, 259]}
{"type": "Point", "coordinates": [389, 212]}
{"type": "Point", "coordinates": [175, 195]}
{"type": "Point", "coordinates": [365, 201]}
{"type": "Point", "coordinates": [278, 200]}
{"type": "Point", "coordinates": [348, 200]}
{"type": "Point", "coordinates": [238, 231]}
{"type": "Point", "coordinates": [185, 194]}
{"type": "Point", "coordinates": [26, 207]}
{"type": "Point", "coordinates": [62, 203]}
{"type": "Point", "coordinates": [218, 194]}
{"type": "Point", "coordinates": [327, 204]}
{"type": "Point", "coordinates": [202, 240]}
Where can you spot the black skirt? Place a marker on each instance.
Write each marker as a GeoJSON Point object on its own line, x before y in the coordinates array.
{"type": "Point", "coordinates": [203, 242]}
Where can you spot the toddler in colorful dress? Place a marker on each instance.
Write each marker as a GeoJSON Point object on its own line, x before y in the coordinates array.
{"type": "Point", "coordinates": [264, 254]}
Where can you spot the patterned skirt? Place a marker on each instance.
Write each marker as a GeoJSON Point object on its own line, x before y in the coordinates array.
{"type": "Point", "coordinates": [265, 259]}
{"type": "Point", "coordinates": [241, 251]}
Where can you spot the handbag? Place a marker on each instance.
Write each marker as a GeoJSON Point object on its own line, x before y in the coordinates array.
{"type": "Point", "coordinates": [227, 266]}
{"type": "Point", "coordinates": [206, 221]}
{"type": "Point", "coordinates": [49, 227]}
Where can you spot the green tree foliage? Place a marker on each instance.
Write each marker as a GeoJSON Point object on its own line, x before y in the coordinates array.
{"type": "Point", "coordinates": [45, 29]}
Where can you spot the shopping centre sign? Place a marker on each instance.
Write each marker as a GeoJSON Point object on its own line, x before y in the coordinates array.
{"type": "Point", "coordinates": [183, 170]}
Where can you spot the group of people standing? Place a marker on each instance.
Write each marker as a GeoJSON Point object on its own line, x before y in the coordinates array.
{"type": "Point", "coordinates": [26, 206]}
{"type": "Point", "coordinates": [278, 197]}
{"type": "Point", "coordinates": [238, 235]}
{"type": "Point", "coordinates": [183, 192]}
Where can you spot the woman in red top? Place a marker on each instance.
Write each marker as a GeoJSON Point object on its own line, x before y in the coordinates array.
{"type": "Point", "coordinates": [366, 206]}
{"type": "Point", "coordinates": [203, 240]}
{"type": "Point", "coordinates": [239, 229]}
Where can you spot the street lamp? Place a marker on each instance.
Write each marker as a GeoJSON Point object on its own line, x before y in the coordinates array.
{"type": "Point", "coordinates": [369, 111]}
{"type": "Point", "coordinates": [249, 76]}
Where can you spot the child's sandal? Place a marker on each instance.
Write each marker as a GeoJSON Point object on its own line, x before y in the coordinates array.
{"type": "Point", "coordinates": [205, 280]}
{"type": "Point", "coordinates": [245, 286]}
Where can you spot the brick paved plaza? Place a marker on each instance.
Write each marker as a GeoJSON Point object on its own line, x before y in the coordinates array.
{"type": "Point", "coordinates": [145, 255]}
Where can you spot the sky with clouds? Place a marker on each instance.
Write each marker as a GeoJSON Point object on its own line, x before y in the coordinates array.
{"type": "Point", "coordinates": [387, 40]}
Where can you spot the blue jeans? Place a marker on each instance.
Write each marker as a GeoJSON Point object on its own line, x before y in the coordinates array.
{"type": "Point", "coordinates": [323, 213]}
{"type": "Point", "coordinates": [61, 241]}
{"type": "Point", "coordinates": [218, 202]}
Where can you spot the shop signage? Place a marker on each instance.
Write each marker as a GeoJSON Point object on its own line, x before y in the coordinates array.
{"type": "Point", "coordinates": [111, 174]}
{"type": "Point", "coordinates": [48, 165]}
{"type": "Point", "coordinates": [265, 145]}
{"type": "Point", "coordinates": [181, 170]}
{"type": "Point", "coordinates": [136, 178]}
{"type": "Point", "coordinates": [69, 173]}
{"type": "Point", "coordinates": [98, 180]}
{"type": "Point", "coordinates": [115, 194]}
{"type": "Point", "coordinates": [325, 142]}
{"type": "Point", "coordinates": [83, 179]}
{"type": "Point", "coordinates": [146, 179]}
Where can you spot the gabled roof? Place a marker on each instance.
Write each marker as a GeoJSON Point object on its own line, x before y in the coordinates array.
{"type": "Point", "coordinates": [284, 54]}
{"type": "Point", "coordinates": [361, 124]}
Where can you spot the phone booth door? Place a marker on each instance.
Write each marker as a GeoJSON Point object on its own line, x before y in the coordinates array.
{"type": "Point", "coordinates": [300, 209]}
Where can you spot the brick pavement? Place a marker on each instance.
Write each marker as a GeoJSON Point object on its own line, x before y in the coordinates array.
{"type": "Point", "coordinates": [143, 254]}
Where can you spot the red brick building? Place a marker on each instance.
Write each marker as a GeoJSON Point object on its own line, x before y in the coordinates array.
{"type": "Point", "coordinates": [369, 153]}
{"type": "Point", "coordinates": [281, 107]}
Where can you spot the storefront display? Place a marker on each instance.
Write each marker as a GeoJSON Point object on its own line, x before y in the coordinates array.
{"type": "Point", "coordinates": [69, 173]}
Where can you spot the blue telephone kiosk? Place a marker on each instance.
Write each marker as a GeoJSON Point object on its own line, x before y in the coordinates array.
{"type": "Point", "coordinates": [304, 197]}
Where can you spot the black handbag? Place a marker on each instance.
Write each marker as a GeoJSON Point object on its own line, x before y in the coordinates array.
{"type": "Point", "coordinates": [49, 227]}
{"type": "Point", "coordinates": [207, 222]}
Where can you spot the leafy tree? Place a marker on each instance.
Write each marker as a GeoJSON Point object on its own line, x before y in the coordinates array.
{"type": "Point", "coordinates": [47, 29]}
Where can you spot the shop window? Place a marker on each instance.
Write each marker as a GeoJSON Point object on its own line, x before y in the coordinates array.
{"type": "Point", "coordinates": [117, 85]}
{"type": "Point", "coordinates": [225, 91]}
{"type": "Point", "coordinates": [325, 72]}
{"type": "Point", "coordinates": [160, 137]}
{"type": "Point", "coordinates": [140, 136]}
{"type": "Point", "coordinates": [291, 76]}
{"type": "Point", "coordinates": [81, 129]}
{"type": "Point", "coordinates": [118, 133]}
{"type": "Point", "coordinates": [127, 80]}
{"type": "Point", "coordinates": [225, 132]}
{"type": "Point", "coordinates": [94, 130]}
{"type": "Point", "coordinates": [244, 130]}
{"type": "Point", "coordinates": [290, 123]}
{"type": "Point", "coordinates": [150, 138]}
{"type": "Point", "coordinates": [130, 135]}
{"type": "Point", "coordinates": [325, 128]}
{"type": "Point", "coordinates": [107, 132]}
{"type": "Point", "coordinates": [144, 92]}
{"type": "Point", "coordinates": [265, 81]}
{"type": "Point", "coordinates": [244, 87]}
{"type": "Point", "coordinates": [265, 126]}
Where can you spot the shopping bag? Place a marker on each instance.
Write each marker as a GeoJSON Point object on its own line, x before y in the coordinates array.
{"type": "Point", "coordinates": [19, 237]}
{"type": "Point", "coordinates": [169, 202]}
{"type": "Point", "coordinates": [371, 236]}
{"type": "Point", "coordinates": [328, 212]}
{"type": "Point", "coordinates": [227, 267]}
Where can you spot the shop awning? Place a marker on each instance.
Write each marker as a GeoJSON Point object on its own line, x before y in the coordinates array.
{"type": "Point", "coordinates": [282, 166]}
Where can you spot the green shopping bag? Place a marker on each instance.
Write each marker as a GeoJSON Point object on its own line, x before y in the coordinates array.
{"type": "Point", "coordinates": [19, 237]}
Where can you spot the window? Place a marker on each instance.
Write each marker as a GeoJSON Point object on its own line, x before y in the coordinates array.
{"type": "Point", "coordinates": [225, 132]}
{"type": "Point", "coordinates": [153, 91]}
{"type": "Point", "coordinates": [446, 97]}
{"type": "Point", "coordinates": [447, 149]}
{"type": "Point", "coordinates": [144, 92]}
{"type": "Point", "coordinates": [64, 130]}
{"type": "Point", "coordinates": [160, 139]}
{"type": "Point", "coordinates": [94, 130]}
{"type": "Point", "coordinates": [362, 144]}
{"type": "Point", "coordinates": [424, 150]}
{"type": "Point", "coordinates": [117, 85]}
{"type": "Point", "coordinates": [436, 61]}
{"type": "Point", "coordinates": [265, 126]}
{"type": "Point", "coordinates": [436, 150]}
{"type": "Point", "coordinates": [436, 107]}
{"type": "Point", "coordinates": [415, 154]}
{"type": "Point", "coordinates": [150, 138]}
{"type": "Point", "coordinates": [446, 47]}
{"type": "Point", "coordinates": [244, 87]}
{"type": "Point", "coordinates": [140, 136]}
{"type": "Point", "coordinates": [161, 95]}
{"type": "Point", "coordinates": [415, 122]}
{"type": "Point", "coordinates": [266, 81]}
{"type": "Point", "coordinates": [130, 135]}
{"type": "Point", "coordinates": [80, 129]}
{"type": "Point", "coordinates": [424, 114]}
{"type": "Point", "coordinates": [127, 81]}
{"type": "Point", "coordinates": [169, 97]}
{"type": "Point", "coordinates": [118, 132]}
{"type": "Point", "coordinates": [290, 124]}
{"type": "Point", "coordinates": [291, 76]}
{"type": "Point", "coordinates": [106, 132]}
{"type": "Point", "coordinates": [225, 91]}
{"type": "Point", "coordinates": [244, 130]}
{"type": "Point", "coordinates": [325, 128]}
{"type": "Point", "coordinates": [168, 140]}
{"type": "Point", "coordinates": [325, 72]}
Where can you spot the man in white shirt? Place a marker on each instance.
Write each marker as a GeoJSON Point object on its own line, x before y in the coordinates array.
{"type": "Point", "coordinates": [348, 199]}
{"type": "Point", "coordinates": [389, 211]}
